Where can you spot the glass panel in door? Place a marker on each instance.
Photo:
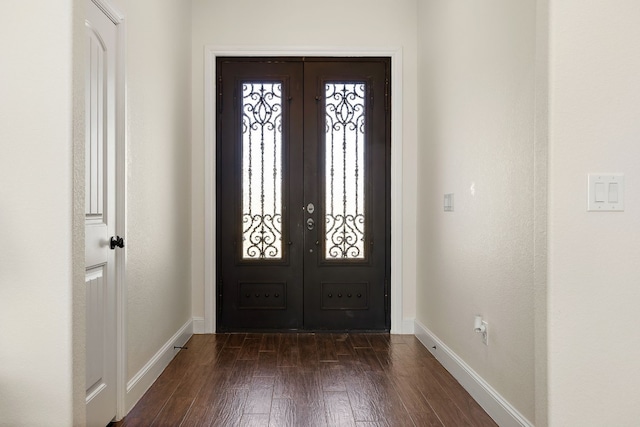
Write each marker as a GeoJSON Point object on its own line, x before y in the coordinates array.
{"type": "Point", "coordinates": [262, 170]}
{"type": "Point", "coordinates": [345, 174]}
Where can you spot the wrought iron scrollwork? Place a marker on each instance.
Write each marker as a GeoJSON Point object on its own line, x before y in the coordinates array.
{"type": "Point", "coordinates": [262, 170]}
{"type": "Point", "coordinates": [345, 137]}
{"type": "Point", "coordinates": [345, 235]}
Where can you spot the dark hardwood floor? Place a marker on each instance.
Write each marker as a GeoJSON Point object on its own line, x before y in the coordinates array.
{"type": "Point", "coordinates": [305, 380]}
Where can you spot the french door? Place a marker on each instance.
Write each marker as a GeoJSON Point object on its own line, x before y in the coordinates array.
{"type": "Point", "coordinates": [303, 155]}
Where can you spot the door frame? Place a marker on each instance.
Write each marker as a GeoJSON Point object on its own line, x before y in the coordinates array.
{"type": "Point", "coordinates": [118, 18]}
{"type": "Point", "coordinates": [211, 53]}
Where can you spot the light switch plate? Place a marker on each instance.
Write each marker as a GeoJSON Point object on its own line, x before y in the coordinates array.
{"type": "Point", "coordinates": [605, 192]}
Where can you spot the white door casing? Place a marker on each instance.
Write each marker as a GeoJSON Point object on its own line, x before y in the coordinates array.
{"type": "Point", "coordinates": [100, 216]}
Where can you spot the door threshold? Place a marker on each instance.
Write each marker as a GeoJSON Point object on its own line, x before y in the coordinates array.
{"type": "Point", "coordinates": [302, 331]}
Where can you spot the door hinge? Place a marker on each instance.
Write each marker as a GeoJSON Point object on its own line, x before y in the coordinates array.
{"type": "Point", "coordinates": [386, 296]}
{"type": "Point", "coordinates": [219, 304]}
{"type": "Point", "coordinates": [219, 95]}
{"type": "Point", "coordinates": [387, 304]}
{"type": "Point", "coordinates": [371, 94]}
{"type": "Point", "coordinates": [387, 100]}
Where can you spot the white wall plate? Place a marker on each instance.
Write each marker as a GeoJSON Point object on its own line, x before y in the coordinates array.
{"type": "Point", "coordinates": [605, 192]}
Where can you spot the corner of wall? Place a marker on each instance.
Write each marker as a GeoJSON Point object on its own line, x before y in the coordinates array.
{"type": "Point", "coordinates": [145, 377]}
{"type": "Point", "coordinates": [408, 325]}
{"type": "Point", "coordinates": [503, 413]}
{"type": "Point", "coordinates": [78, 242]}
{"type": "Point", "coordinates": [540, 207]}
{"type": "Point", "coordinates": [198, 325]}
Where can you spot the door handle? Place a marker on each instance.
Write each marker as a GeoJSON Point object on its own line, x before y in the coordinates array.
{"type": "Point", "coordinates": [116, 241]}
{"type": "Point", "coordinates": [310, 223]}
{"type": "Point", "coordinates": [310, 208]}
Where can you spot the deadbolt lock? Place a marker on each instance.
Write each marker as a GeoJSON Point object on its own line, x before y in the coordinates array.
{"type": "Point", "coordinates": [310, 208]}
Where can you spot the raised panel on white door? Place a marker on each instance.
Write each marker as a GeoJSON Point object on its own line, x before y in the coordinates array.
{"type": "Point", "coordinates": [96, 340]}
{"type": "Point", "coordinates": [98, 134]}
{"type": "Point", "coordinates": [95, 130]}
{"type": "Point", "coordinates": [97, 243]}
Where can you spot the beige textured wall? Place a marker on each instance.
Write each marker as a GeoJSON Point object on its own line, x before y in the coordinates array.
{"type": "Point", "coordinates": [158, 63]}
{"type": "Point", "coordinates": [278, 24]}
{"type": "Point", "coordinates": [594, 273]}
{"type": "Point", "coordinates": [79, 310]}
{"type": "Point", "coordinates": [476, 115]}
{"type": "Point", "coordinates": [36, 99]}
{"type": "Point", "coordinates": [540, 212]}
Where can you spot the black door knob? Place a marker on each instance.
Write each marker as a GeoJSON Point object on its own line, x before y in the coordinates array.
{"type": "Point", "coordinates": [116, 241]}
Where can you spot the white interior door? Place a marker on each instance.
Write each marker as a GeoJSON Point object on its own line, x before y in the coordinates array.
{"type": "Point", "coordinates": [100, 218]}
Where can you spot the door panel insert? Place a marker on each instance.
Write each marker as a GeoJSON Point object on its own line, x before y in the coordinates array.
{"type": "Point", "coordinates": [344, 170]}
{"type": "Point", "coordinates": [262, 170]}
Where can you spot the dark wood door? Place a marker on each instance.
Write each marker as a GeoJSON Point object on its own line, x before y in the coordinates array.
{"type": "Point", "coordinates": [303, 194]}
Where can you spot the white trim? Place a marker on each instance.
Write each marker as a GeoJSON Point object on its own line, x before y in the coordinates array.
{"type": "Point", "coordinates": [198, 325]}
{"type": "Point", "coordinates": [210, 55]}
{"type": "Point", "coordinates": [491, 401]}
{"type": "Point", "coordinates": [397, 236]}
{"type": "Point", "coordinates": [209, 192]}
{"type": "Point", "coordinates": [121, 217]}
{"type": "Point", "coordinates": [108, 9]}
{"type": "Point", "coordinates": [140, 383]}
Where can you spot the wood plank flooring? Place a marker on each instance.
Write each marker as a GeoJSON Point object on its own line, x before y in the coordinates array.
{"type": "Point", "coordinates": [310, 380]}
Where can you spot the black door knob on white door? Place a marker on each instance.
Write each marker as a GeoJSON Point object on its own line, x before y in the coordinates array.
{"type": "Point", "coordinates": [116, 241]}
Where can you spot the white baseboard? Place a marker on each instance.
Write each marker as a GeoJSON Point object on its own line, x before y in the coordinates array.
{"type": "Point", "coordinates": [491, 401]}
{"type": "Point", "coordinates": [198, 325]}
{"type": "Point", "coordinates": [140, 383]}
